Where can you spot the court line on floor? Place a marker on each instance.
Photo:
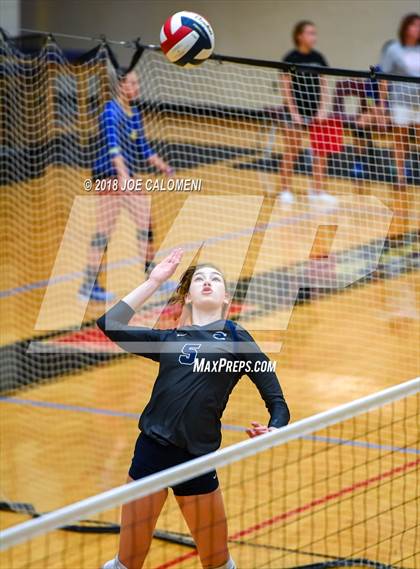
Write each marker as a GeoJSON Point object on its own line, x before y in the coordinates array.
{"type": "Point", "coordinates": [192, 245]}
{"type": "Point", "coordinates": [67, 277]}
{"type": "Point", "coordinates": [225, 426]}
{"type": "Point", "coordinates": [135, 260]}
{"type": "Point", "coordinates": [300, 509]}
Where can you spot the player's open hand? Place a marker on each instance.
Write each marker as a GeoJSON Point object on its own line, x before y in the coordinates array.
{"type": "Point", "coordinates": [166, 268]}
{"type": "Point", "coordinates": [258, 429]}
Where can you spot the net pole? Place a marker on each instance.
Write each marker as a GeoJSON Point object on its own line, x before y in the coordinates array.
{"type": "Point", "coordinates": [146, 486]}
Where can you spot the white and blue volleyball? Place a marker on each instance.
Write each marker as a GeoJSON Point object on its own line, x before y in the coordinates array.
{"type": "Point", "coordinates": [187, 39]}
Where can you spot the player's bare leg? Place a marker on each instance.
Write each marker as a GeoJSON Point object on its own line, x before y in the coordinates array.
{"type": "Point", "coordinates": [293, 136]}
{"type": "Point", "coordinates": [107, 210]}
{"type": "Point", "coordinates": [139, 208]}
{"type": "Point", "coordinates": [318, 169]}
{"type": "Point", "coordinates": [401, 147]}
{"type": "Point", "coordinates": [318, 193]}
{"type": "Point", "coordinates": [206, 518]}
{"type": "Point", "coordinates": [138, 521]}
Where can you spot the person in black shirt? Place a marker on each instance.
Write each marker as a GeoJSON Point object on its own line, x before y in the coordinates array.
{"type": "Point", "coordinates": [182, 419]}
{"type": "Point", "coordinates": [306, 99]}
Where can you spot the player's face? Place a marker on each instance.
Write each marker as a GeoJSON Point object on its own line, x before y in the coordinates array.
{"type": "Point", "coordinates": [207, 289]}
{"type": "Point", "coordinates": [308, 37]}
{"type": "Point", "coordinates": [412, 32]}
{"type": "Point", "coordinates": [130, 87]}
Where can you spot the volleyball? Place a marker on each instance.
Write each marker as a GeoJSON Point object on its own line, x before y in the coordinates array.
{"type": "Point", "coordinates": [187, 39]}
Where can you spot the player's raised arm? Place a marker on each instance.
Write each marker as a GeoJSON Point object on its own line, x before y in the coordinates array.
{"type": "Point", "coordinates": [162, 272]}
{"type": "Point", "coordinates": [114, 323]}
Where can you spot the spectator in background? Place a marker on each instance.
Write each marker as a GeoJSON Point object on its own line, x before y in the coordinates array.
{"type": "Point", "coordinates": [123, 151]}
{"type": "Point", "coordinates": [306, 99]}
{"type": "Point", "coordinates": [402, 57]}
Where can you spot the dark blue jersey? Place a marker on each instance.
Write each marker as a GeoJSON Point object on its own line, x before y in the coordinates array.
{"type": "Point", "coordinates": [187, 403]}
{"type": "Point", "coordinates": [306, 87]}
{"type": "Point", "coordinates": [120, 134]}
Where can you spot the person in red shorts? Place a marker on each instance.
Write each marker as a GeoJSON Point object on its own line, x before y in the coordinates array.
{"type": "Point", "coordinates": [305, 100]}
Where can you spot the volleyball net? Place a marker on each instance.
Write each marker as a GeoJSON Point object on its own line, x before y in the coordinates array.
{"type": "Point", "coordinates": [294, 204]}
{"type": "Point", "coordinates": [337, 489]}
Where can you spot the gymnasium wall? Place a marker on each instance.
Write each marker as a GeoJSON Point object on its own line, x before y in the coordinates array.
{"type": "Point", "coordinates": [10, 16]}
{"type": "Point", "coordinates": [351, 32]}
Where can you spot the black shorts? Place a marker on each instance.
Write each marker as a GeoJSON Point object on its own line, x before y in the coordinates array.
{"type": "Point", "coordinates": [150, 457]}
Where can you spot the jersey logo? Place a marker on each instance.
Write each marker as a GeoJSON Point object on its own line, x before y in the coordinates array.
{"type": "Point", "coordinates": [133, 134]}
{"type": "Point", "coordinates": [219, 335]}
{"type": "Point", "coordinates": [189, 353]}
{"type": "Point", "coordinates": [181, 333]}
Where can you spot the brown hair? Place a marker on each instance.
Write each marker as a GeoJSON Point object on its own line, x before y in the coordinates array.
{"type": "Point", "coordinates": [405, 23]}
{"type": "Point", "coordinates": [299, 28]}
{"type": "Point", "coordinates": [185, 283]}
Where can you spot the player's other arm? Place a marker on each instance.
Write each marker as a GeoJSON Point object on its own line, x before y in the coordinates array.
{"type": "Point", "coordinates": [286, 83]}
{"type": "Point", "coordinates": [147, 151]}
{"type": "Point", "coordinates": [324, 99]}
{"type": "Point", "coordinates": [324, 95]}
{"type": "Point", "coordinates": [159, 163]}
{"type": "Point", "coordinates": [268, 386]}
{"type": "Point", "coordinates": [108, 125]}
{"type": "Point", "coordinates": [289, 98]}
{"type": "Point", "coordinates": [386, 65]}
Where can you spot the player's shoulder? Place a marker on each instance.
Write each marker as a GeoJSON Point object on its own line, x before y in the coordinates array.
{"type": "Point", "coordinates": [391, 45]}
{"type": "Point", "coordinates": [292, 56]}
{"type": "Point", "coordinates": [111, 105]}
{"type": "Point", "coordinates": [111, 110]}
{"type": "Point", "coordinates": [319, 57]}
{"type": "Point", "coordinates": [392, 48]}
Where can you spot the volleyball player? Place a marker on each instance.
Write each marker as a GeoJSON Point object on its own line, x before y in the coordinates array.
{"type": "Point", "coordinates": [182, 419]}
{"type": "Point", "coordinates": [403, 58]}
{"type": "Point", "coordinates": [306, 100]}
{"type": "Point", "coordinates": [123, 148]}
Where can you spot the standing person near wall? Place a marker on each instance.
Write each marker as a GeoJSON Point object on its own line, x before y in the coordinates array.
{"type": "Point", "coordinates": [402, 57]}
{"type": "Point", "coordinates": [123, 152]}
{"type": "Point", "coordinates": [306, 99]}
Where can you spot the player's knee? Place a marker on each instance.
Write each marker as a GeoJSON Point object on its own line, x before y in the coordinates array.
{"type": "Point", "coordinates": [99, 240]}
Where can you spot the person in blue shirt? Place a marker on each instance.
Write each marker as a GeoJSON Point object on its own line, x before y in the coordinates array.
{"type": "Point", "coordinates": [123, 151]}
